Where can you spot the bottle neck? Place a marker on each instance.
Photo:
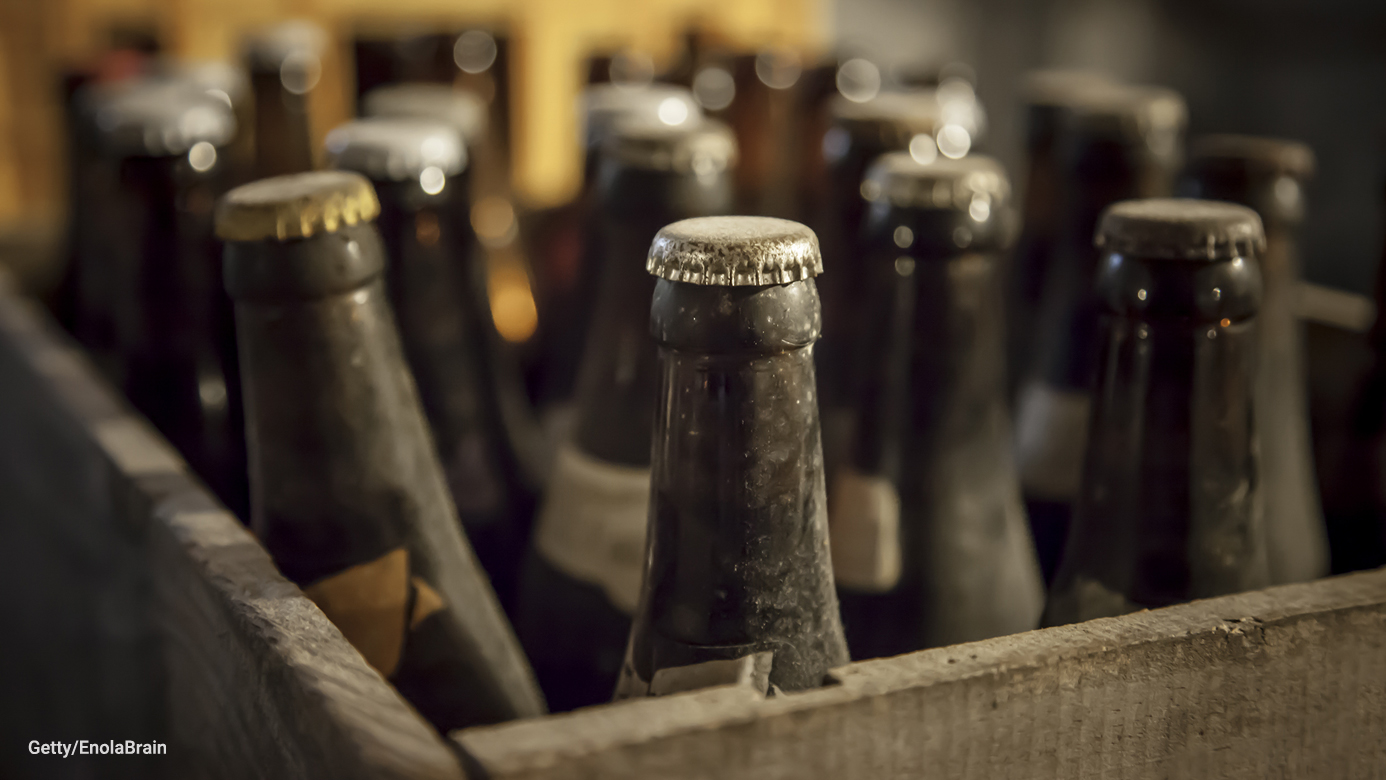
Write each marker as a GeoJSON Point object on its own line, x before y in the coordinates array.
{"type": "Point", "coordinates": [164, 256]}
{"type": "Point", "coordinates": [283, 141]}
{"type": "Point", "coordinates": [439, 324]}
{"type": "Point", "coordinates": [1169, 507]}
{"type": "Point", "coordinates": [738, 558]}
{"type": "Point", "coordinates": [930, 362]}
{"type": "Point", "coordinates": [1099, 174]}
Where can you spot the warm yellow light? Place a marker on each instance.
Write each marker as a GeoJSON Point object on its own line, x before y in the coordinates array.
{"type": "Point", "coordinates": [493, 219]}
{"type": "Point", "coordinates": [512, 300]}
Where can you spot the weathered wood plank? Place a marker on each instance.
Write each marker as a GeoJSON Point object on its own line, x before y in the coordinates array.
{"type": "Point", "coordinates": [148, 612]}
{"type": "Point", "coordinates": [1288, 682]}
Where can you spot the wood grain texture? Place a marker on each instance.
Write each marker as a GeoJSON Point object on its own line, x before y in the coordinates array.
{"type": "Point", "coordinates": [1288, 682]}
{"type": "Point", "coordinates": [150, 612]}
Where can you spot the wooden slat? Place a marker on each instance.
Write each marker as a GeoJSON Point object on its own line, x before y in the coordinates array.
{"type": "Point", "coordinates": [1288, 682]}
{"type": "Point", "coordinates": [140, 609]}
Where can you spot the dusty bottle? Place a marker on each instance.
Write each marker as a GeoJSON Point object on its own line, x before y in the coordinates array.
{"type": "Point", "coordinates": [165, 143]}
{"type": "Point", "coordinates": [929, 538]}
{"type": "Point", "coordinates": [1118, 144]}
{"type": "Point", "coordinates": [285, 64]}
{"type": "Point", "coordinates": [1170, 505]}
{"type": "Point", "coordinates": [418, 169]}
{"type": "Point", "coordinates": [1049, 95]}
{"type": "Point", "coordinates": [583, 580]}
{"type": "Point", "coordinates": [347, 492]}
{"type": "Point", "coordinates": [1269, 175]}
{"type": "Point", "coordinates": [737, 563]}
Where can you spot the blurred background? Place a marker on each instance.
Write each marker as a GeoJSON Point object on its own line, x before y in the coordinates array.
{"type": "Point", "coordinates": [1311, 71]}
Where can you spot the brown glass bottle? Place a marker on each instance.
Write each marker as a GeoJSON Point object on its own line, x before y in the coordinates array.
{"type": "Point", "coordinates": [1049, 95]}
{"type": "Point", "coordinates": [861, 132]}
{"type": "Point", "coordinates": [929, 538]}
{"type": "Point", "coordinates": [737, 561]}
{"type": "Point", "coordinates": [1120, 143]}
{"type": "Point", "coordinates": [570, 265]}
{"type": "Point", "coordinates": [1170, 505]}
{"type": "Point", "coordinates": [465, 113]}
{"type": "Point", "coordinates": [285, 64]}
{"type": "Point", "coordinates": [347, 492]}
{"type": "Point", "coordinates": [164, 142]}
{"type": "Point", "coordinates": [1269, 176]}
{"type": "Point", "coordinates": [583, 580]}
{"type": "Point", "coordinates": [418, 171]}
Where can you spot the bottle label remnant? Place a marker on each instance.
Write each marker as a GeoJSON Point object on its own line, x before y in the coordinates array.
{"type": "Point", "coordinates": [592, 526]}
{"type": "Point", "coordinates": [864, 532]}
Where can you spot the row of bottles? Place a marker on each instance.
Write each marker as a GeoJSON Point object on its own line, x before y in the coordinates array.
{"type": "Point", "coordinates": [739, 472]}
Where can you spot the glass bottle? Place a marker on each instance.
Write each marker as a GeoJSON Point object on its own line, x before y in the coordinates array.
{"type": "Point", "coordinates": [930, 542]}
{"type": "Point", "coordinates": [1120, 143]}
{"type": "Point", "coordinates": [285, 64]}
{"type": "Point", "coordinates": [737, 564]}
{"type": "Point", "coordinates": [165, 142]}
{"type": "Point", "coordinates": [347, 492]}
{"type": "Point", "coordinates": [1269, 175]}
{"type": "Point", "coordinates": [418, 169]}
{"type": "Point", "coordinates": [861, 131]}
{"type": "Point", "coordinates": [466, 114]}
{"type": "Point", "coordinates": [1049, 95]}
{"type": "Point", "coordinates": [1170, 507]}
{"type": "Point", "coordinates": [569, 269]}
{"type": "Point", "coordinates": [583, 580]}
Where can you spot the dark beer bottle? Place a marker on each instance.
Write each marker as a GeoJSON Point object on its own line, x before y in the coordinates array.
{"type": "Point", "coordinates": [466, 114]}
{"type": "Point", "coordinates": [1170, 505]}
{"type": "Point", "coordinates": [347, 492]}
{"type": "Point", "coordinates": [570, 263]}
{"type": "Point", "coordinates": [583, 580]}
{"type": "Point", "coordinates": [1120, 143]}
{"type": "Point", "coordinates": [418, 171]}
{"type": "Point", "coordinates": [285, 64]}
{"type": "Point", "coordinates": [861, 131]}
{"type": "Point", "coordinates": [737, 563]}
{"type": "Point", "coordinates": [929, 538]}
{"type": "Point", "coordinates": [1049, 95]}
{"type": "Point", "coordinates": [1269, 175]}
{"type": "Point", "coordinates": [165, 142]}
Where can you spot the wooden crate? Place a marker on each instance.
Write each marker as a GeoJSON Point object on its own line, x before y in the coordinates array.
{"type": "Point", "coordinates": [140, 609]}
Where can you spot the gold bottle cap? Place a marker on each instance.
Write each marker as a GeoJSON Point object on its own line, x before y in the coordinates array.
{"type": "Point", "coordinates": [300, 205]}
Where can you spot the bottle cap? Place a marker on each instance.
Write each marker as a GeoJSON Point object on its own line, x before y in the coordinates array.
{"type": "Point", "coordinates": [1060, 88]}
{"type": "Point", "coordinates": [1266, 174]}
{"type": "Point", "coordinates": [271, 48]}
{"type": "Point", "coordinates": [703, 147]}
{"type": "Point", "coordinates": [735, 252]}
{"type": "Point", "coordinates": [966, 200]}
{"type": "Point", "coordinates": [156, 117]}
{"type": "Point", "coordinates": [390, 149]}
{"type": "Point", "coordinates": [464, 111]}
{"type": "Point", "coordinates": [1180, 229]}
{"type": "Point", "coordinates": [1130, 113]}
{"type": "Point", "coordinates": [904, 113]}
{"type": "Point", "coordinates": [1273, 156]}
{"type": "Point", "coordinates": [220, 79]}
{"type": "Point", "coordinates": [952, 185]}
{"type": "Point", "coordinates": [604, 105]}
{"type": "Point", "coordinates": [300, 205]}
